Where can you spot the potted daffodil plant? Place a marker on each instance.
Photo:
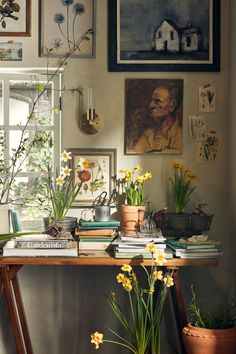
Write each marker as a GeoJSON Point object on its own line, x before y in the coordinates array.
{"type": "Point", "coordinates": [182, 188]}
{"type": "Point", "coordinates": [133, 186]}
{"type": "Point", "coordinates": [61, 193]}
{"type": "Point", "coordinates": [142, 318]}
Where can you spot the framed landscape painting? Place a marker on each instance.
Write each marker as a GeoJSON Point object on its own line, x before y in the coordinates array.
{"type": "Point", "coordinates": [67, 27]}
{"type": "Point", "coordinates": [15, 18]}
{"type": "Point", "coordinates": [94, 167]}
{"type": "Point", "coordinates": [173, 35]}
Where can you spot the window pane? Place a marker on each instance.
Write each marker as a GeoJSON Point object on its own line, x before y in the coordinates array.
{"type": "Point", "coordinates": [41, 153]}
{"type": "Point", "coordinates": [24, 99]}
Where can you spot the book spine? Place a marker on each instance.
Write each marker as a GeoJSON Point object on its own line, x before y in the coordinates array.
{"type": "Point", "coordinates": [96, 232]}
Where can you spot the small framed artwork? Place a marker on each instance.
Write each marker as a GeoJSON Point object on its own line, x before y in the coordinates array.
{"type": "Point", "coordinates": [67, 27]}
{"type": "Point", "coordinates": [207, 98]}
{"type": "Point", "coordinates": [15, 18]}
{"type": "Point", "coordinates": [210, 149]}
{"type": "Point", "coordinates": [153, 116]}
{"type": "Point", "coordinates": [11, 51]}
{"type": "Point", "coordinates": [171, 37]}
{"type": "Point", "coordinates": [95, 168]}
{"type": "Point", "coordinates": [198, 128]}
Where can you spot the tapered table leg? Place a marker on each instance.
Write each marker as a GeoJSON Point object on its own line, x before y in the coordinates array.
{"type": "Point", "coordinates": [16, 309]}
{"type": "Point", "coordinates": [179, 308]}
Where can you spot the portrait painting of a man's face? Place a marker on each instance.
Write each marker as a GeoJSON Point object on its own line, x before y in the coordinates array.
{"type": "Point", "coordinates": [153, 116]}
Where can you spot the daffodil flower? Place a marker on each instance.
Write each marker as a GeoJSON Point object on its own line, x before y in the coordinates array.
{"type": "Point", "coordinates": [160, 257]}
{"type": "Point", "coordinates": [65, 156]}
{"type": "Point", "coordinates": [120, 277]}
{"type": "Point", "coordinates": [66, 171]}
{"type": "Point", "coordinates": [151, 247]}
{"type": "Point", "coordinates": [97, 339]}
{"type": "Point", "coordinates": [158, 275]}
{"type": "Point", "coordinates": [126, 268]}
{"type": "Point", "coordinates": [60, 180]}
{"type": "Point", "coordinates": [169, 281]}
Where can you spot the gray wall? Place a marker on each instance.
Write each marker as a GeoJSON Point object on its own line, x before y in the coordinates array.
{"type": "Point", "coordinates": [65, 304]}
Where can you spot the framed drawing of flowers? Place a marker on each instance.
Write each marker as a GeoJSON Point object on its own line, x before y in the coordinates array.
{"type": "Point", "coordinates": [95, 168]}
{"type": "Point", "coordinates": [67, 26]}
{"type": "Point", "coordinates": [174, 35]}
{"type": "Point", "coordinates": [15, 18]}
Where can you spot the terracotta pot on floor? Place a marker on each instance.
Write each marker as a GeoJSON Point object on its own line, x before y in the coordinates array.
{"type": "Point", "coordinates": [209, 341]}
{"type": "Point", "coordinates": [133, 217]}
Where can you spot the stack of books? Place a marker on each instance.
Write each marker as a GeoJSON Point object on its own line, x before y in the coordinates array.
{"type": "Point", "coordinates": [185, 248]}
{"type": "Point", "coordinates": [134, 246]}
{"type": "Point", "coordinates": [96, 235]}
{"type": "Point", "coordinates": [40, 245]}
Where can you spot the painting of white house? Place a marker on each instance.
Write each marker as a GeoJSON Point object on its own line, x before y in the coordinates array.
{"type": "Point", "coordinates": [198, 128]}
{"type": "Point", "coordinates": [207, 98]}
{"type": "Point", "coordinates": [10, 51]}
{"type": "Point", "coordinates": [169, 32]}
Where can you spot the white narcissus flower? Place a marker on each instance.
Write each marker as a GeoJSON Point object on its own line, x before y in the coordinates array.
{"type": "Point", "coordinates": [65, 156]}
{"type": "Point", "coordinates": [60, 180]}
{"type": "Point", "coordinates": [66, 171]}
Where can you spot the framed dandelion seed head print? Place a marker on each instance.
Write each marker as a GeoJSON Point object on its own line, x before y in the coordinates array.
{"type": "Point", "coordinates": [65, 25]}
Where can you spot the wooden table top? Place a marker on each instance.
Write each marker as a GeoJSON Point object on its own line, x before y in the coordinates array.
{"type": "Point", "coordinates": [103, 261]}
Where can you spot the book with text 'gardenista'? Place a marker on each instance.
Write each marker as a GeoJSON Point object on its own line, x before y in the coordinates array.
{"type": "Point", "coordinates": [97, 224]}
{"type": "Point", "coordinates": [175, 244]}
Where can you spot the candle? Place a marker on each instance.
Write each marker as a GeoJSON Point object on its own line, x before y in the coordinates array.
{"type": "Point", "coordinates": [90, 98]}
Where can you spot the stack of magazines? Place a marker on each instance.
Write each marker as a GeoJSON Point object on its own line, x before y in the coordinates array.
{"type": "Point", "coordinates": [198, 246]}
{"type": "Point", "coordinates": [129, 246]}
{"type": "Point", "coordinates": [40, 245]}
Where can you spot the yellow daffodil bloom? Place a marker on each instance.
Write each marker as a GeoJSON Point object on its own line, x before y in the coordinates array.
{"type": "Point", "coordinates": [60, 181]}
{"type": "Point", "coordinates": [65, 156]}
{"type": "Point", "coordinates": [147, 175]}
{"type": "Point", "coordinates": [134, 278]}
{"type": "Point", "coordinates": [126, 268]}
{"type": "Point", "coordinates": [169, 281]}
{"type": "Point", "coordinates": [160, 257]}
{"type": "Point", "coordinates": [138, 168]}
{"type": "Point", "coordinates": [120, 277]}
{"type": "Point", "coordinates": [158, 275]}
{"type": "Point", "coordinates": [127, 284]}
{"type": "Point", "coordinates": [97, 339]}
{"type": "Point", "coordinates": [151, 247]}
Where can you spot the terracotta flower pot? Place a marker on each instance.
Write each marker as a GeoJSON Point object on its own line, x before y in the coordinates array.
{"type": "Point", "coordinates": [133, 217]}
{"type": "Point", "coordinates": [209, 341]}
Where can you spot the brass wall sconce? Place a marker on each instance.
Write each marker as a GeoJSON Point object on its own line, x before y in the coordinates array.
{"type": "Point", "coordinates": [90, 122]}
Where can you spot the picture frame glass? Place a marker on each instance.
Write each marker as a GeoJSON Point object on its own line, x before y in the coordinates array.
{"type": "Point", "coordinates": [172, 37]}
{"type": "Point", "coordinates": [15, 18]}
{"type": "Point", "coordinates": [65, 25]}
{"type": "Point", "coordinates": [95, 168]}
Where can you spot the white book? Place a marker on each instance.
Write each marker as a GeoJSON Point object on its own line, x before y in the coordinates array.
{"type": "Point", "coordinates": [199, 255]}
{"type": "Point", "coordinates": [10, 250]}
{"type": "Point", "coordinates": [137, 247]}
{"type": "Point", "coordinates": [94, 245]}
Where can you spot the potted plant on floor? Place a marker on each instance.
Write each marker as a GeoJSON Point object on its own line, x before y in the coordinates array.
{"type": "Point", "coordinates": [210, 332]}
{"type": "Point", "coordinates": [142, 318]}
{"type": "Point", "coordinates": [133, 211]}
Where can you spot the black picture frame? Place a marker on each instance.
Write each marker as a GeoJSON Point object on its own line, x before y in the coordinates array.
{"type": "Point", "coordinates": [118, 64]}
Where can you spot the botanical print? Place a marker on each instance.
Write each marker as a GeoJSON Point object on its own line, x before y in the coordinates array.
{"type": "Point", "coordinates": [198, 128]}
{"type": "Point", "coordinates": [13, 15]}
{"type": "Point", "coordinates": [170, 32]}
{"type": "Point", "coordinates": [94, 171]}
{"type": "Point", "coordinates": [10, 51]}
{"type": "Point", "coordinates": [67, 24]}
{"type": "Point", "coordinates": [209, 150]}
{"type": "Point", "coordinates": [153, 116]}
{"type": "Point", "coordinates": [207, 98]}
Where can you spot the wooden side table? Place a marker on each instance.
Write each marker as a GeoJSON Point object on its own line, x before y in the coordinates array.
{"type": "Point", "coordinates": [9, 267]}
